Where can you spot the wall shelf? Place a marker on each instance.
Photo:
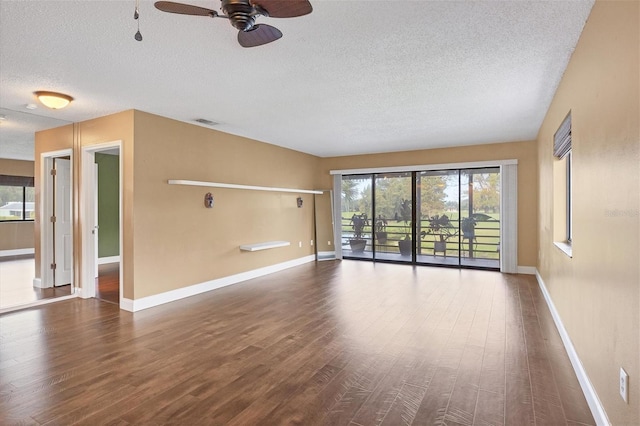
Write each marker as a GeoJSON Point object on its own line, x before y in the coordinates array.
{"type": "Point", "coordinates": [234, 186]}
{"type": "Point", "coordinates": [264, 246]}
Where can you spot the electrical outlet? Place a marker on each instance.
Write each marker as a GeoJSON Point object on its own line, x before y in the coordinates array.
{"type": "Point", "coordinates": [300, 244]}
{"type": "Point", "coordinates": [311, 242]}
{"type": "Point", "coordinates": [329, 243]}
{"type": "Point", "coordinates": [624, 385]}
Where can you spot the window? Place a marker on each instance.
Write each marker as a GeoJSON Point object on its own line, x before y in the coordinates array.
{"type": "Point", "coordinates": [562, 151]}
{"type": "Point", "coordinates": [17, 197]}
{"type": "Point", "coordinates": [569, 199]}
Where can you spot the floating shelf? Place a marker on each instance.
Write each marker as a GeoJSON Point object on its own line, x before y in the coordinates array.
{"type": "Point", "coordinates": [264, 246]}
{"type": "Point", "coordinates": [234, 186]}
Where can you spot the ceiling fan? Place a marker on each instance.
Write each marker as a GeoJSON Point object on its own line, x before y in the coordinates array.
{"type": "Point", "coordinates": [243, 13]}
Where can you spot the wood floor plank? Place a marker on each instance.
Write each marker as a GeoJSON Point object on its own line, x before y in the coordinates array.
{"type": "Point", "coordinates": [327, 343]}
{"type": "Point", "coordinates": [433, 407]}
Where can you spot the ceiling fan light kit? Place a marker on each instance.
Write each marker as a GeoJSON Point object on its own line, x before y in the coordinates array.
{"type": "Point", "coordinates": [53, 100]}
{"type": "Point", "coordinates": [242, 15]}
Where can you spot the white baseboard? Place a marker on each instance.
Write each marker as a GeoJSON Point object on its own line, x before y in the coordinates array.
{"type": "Point", "coordinates": [528, 270]}
{"type": "Point", "coordinates": [126, 304]}
{"type": "Point", "coordinates": [180, 293]}
{"type": "Point", "coordinates": [37, 282]}
{"type": "Point", "coordinates": [17, 252]}
{"type": "Point", "coordinates": [83, 293]}
{"type": "Point", "coordinates": [108, 259]}
{"type": "Point", "coordinates": [597, 410]}
{"type": "Point", "coordinates": [37, 303]}
{"type": "Point", "coordinates": [326, 255]}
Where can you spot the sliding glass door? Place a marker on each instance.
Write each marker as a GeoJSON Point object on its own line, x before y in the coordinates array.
{"type": "Point", "coordinates": [393, 212]}
{"type": "Point", "coordinates": [435, 217]}
{"type": "Point", "coordinates": [480, 217]}
{"type": "Point", "coordinates": [439, 201]}
{"type": "Point", "coordinates": [356, 214]}
{"type": "Point", "coordinates": [460, 217]}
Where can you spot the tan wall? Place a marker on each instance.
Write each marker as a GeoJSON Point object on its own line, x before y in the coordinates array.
{"type": "Point", "coordinates": [169, 239]}
{"type": "Point", "coordinates": [16, 167]}
{"type": "Point", "coordinates": [115, 127]}
{"type": "Point", "coordinates": [46, 141]}
{"type": "Point", "coordinates": [179, 242]}
{"type": "Point", "coordinates": [524, 152]}
{"type": "Point", "coordinates": [597, 292]}
{"type": "Point", "coordinates": [16, 235]}
{"type": "Point", "coordinates": [111, 128]}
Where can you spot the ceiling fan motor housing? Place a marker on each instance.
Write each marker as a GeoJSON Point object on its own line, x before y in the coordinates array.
{"type": "Point", "coordinates": [241, 13]}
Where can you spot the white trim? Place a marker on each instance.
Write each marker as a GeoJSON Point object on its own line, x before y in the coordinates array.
{"type": "Point", "coordinates": [528, 270]}
{"type": "Point", "coordinates": [326, 255]}
{"type": "Point", "coordinates": [37, 283]}
{"type": "Point", "coordinates": [126, 304]}
{"type": "Point", "coordinates": [87, 164]}
{"type": "Point", "coordinates": [37, 303]}
{"type": "Point", "coordinates": [509, 218]}
{"type": "Point", "coordinates": [88, 217]}
{"type": "Point", "coordinates": [108, 259]}
{"type": "Point", "coordinates": [181, 293]}
{"type": "Point", "coordinates": [424, 167]}
{"type": "Point", "coordinates": [86, 293]}
{"type": "Point", "coordinates": [564, 247]}
{"type": "Point", "coordinates": [597, 410]}
{"type": "Point", "coordinates": [235, 186]}
{"type": "Point", "coordinates": [264, 246]}
{"type": "Point", "coordinates": [46, 211]}
{"type": "Point", "coordinates": [17, 252]}
{"type": "Point", "coordinates": [96, 199]}
{"type": "Point", "coordinates": [337, 215]}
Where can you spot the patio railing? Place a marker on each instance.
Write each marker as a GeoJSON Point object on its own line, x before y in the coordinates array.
{"type": "Point", "coordinates": [484, 244]}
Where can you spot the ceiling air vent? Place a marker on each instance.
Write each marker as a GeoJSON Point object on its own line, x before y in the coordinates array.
{"type": "Point", "coordinates": [206, 122]}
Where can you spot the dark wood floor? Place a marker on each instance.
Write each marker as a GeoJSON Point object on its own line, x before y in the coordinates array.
{"type": "Point", "coordinates": [332, 343]}
{"type": "Point", "coordinates": [108, 283]}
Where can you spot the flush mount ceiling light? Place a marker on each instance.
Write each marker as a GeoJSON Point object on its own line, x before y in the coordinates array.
{"type": "Point", "coordinates": [53, 100]}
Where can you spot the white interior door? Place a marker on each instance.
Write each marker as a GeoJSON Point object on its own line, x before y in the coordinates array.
{"type": "Point", "coordinates": [63, 244]}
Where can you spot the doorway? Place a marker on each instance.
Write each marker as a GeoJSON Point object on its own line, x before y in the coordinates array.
{"type": "Point", "coordinates": [56, 238]}
{"type": "Point", "coordinates": [61, 222]}
{"type": "Point", "coordinates": [102, 232]}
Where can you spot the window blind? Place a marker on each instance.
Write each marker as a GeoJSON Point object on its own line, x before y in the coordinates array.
{"type": "Point", "coordinates": [8, 180]}
{"type": "Point", "coordinates": [562, 138]}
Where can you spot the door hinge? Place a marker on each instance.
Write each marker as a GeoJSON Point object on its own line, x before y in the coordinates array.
{"type": "Point", "coordinates": [53, 266]}
{"type": "Point", "coordinates": [53, 219]}
{"type": "Point", "coordinates": [53, 172]}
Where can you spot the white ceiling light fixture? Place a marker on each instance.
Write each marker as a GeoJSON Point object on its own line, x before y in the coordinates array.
{"type": "Point", "coordinates": [53, 100]}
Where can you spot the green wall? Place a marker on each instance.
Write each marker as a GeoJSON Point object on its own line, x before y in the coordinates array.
{"type": "Point", "coordinates": [108, 205]}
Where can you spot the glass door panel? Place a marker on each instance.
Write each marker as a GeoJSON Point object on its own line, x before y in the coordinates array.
{"type": "Point", "coordinates": [356, 214]}
{"type": "Point", "coordinates": [393, 214]}
{"type": "Point", "coordinates": [438, 195]}
{"type": "Point", "coordinates": [480, 217]}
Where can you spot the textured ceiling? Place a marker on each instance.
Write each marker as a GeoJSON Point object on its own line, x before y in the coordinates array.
{"type": "Point", "coordinates": [352, 77]}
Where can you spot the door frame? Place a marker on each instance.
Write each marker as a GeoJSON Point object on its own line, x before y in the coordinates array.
{"type": "Point", "coordinates": [89, 214]}
{"type": "Point", "coordinates": [46, 211]}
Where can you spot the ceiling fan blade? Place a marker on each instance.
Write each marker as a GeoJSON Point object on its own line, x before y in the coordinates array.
{"type": "Point", "coordinates": [184, 9]}
{"type": "Point", "coordinates": [258, 35]}
{"type": "Point", "coordinates": [284, 8]}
